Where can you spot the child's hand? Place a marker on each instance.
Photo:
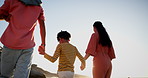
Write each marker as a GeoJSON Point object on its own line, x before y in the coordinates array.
{"type": "Point", "coordinates": [82, 67]}
{"type": "Point", "coordinates": [41, 50]}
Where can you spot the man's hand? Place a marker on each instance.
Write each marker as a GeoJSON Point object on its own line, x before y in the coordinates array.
{"type": "Point", "coordinates": [41, 50]}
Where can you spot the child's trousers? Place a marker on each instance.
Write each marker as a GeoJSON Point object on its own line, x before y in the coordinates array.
{"type": "Point", "coordinates": [65, 74]}
{"type": "Point", "coordinates": [16, 62]}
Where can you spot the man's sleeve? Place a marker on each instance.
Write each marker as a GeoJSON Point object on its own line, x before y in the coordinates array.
{"type": "Point", "coordinates": [42, 17]}
{"type": "Point", "coordinates": [4, 9]}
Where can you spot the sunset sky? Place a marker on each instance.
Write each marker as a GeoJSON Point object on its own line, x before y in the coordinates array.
{"type": "Point", "coordinates": [126, 21]}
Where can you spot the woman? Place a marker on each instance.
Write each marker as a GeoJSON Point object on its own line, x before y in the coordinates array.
{"type": "Point", "coordinates": [100, 47]}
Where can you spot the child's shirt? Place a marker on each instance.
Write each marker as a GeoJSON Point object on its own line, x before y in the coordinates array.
{"type": "Point", "coordinates": [23, 19]}
{"type": "Point", "coordinates": [67, 54]}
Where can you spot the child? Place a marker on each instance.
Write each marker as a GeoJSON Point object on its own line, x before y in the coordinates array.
{"type": "Point", "coordinates": [67, 54]}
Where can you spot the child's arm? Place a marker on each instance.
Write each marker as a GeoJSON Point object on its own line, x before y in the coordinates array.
{"type": "Point", "coordinates": [51, 58]}
{"type": "Point", "coordinates": [55, 56]}
{"type": "Point", "coordinates": [82, 67]}
{"type": "Point", "coordinates": [48, 57]}
{"type": "Point", "coordinates": [81, 59]}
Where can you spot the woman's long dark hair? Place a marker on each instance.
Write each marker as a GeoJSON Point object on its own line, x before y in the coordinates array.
{"type": "Point", "coordinates": [103, 35]}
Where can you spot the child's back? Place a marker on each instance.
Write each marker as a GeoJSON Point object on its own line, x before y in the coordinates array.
{"type": "Point", "coordinates": [67, 54]}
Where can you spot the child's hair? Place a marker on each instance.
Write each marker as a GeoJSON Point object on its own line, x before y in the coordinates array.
{"type": "Point", "coordinates": [63, 34]}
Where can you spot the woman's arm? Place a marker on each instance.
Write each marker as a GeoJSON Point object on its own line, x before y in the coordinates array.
{"type": "Point", "coordinates": [86, 56]}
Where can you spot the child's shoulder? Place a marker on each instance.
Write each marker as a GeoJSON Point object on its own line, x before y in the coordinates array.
{"type": "Point", "coordinates": [73, 46]}
{"type": "Point", "coordinates": [66, 44]}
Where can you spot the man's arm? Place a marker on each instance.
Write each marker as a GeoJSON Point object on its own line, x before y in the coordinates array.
{"type": "Point", "coordinates": [43, 35]}
{"type": "Point", "coordinates": [42, 31]}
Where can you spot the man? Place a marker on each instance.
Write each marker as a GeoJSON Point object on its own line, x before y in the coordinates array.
{"type": "Point", "coordinates": [18, 38]}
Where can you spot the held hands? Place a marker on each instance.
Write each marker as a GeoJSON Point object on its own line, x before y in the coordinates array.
{"type": "Point", "coordinates": [41, 49]}
{"type": "Point", "coordinates": [82, 67]}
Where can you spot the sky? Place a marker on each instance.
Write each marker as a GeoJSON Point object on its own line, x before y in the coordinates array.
{"type": "Point", "coordinates": [126, 22]}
